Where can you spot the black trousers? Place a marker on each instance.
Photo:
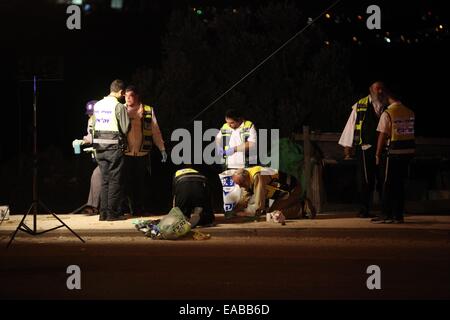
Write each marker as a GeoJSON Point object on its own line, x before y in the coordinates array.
{"type": "Point", "coordinates": [393, 199]}
{"type": "Point", "coordinates": [111, 164]}
{"type": "Point", "coordinates": [191, 194]}
{"type": "Point", "coordinates": [135, 186]}
{"type": "Point", "coordinates": [368, 178]}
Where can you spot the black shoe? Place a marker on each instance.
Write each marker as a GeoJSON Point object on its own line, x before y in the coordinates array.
{"type": "Point", "coordinates": [365, 214]}
{"type": "Point", "coordinates": [398, 221]}
{"type": "Point", "coordinates": [90, 211]}
{"type": "Point", "coordinates": [389, 221]}
{"type": "Point", "coordinates": [115, 218]}
{"type": "Point", "coordinates": [102, 216]}
{"type": "Point", "coordinates": [378, 220]}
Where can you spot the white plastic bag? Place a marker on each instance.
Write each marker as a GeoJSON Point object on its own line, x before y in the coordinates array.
{"type": "Point", "coordinates": [231, 191]}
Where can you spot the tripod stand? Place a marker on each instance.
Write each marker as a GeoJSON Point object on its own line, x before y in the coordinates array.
{"type": "Point", "coordinates": [36, 202]}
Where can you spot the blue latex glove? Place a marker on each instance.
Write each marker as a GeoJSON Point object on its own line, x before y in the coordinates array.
{"type": "Point", "coordinates": [230, 151]}
{"type": "Point", "coordinates": [163, 156]}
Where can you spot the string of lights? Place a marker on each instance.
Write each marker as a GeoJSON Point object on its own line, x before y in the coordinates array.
{"type": "Point", "coordinates": [351, 28]}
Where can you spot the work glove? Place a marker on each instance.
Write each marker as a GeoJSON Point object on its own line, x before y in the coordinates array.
{"type": "Point", "coordinates": [163, 156]}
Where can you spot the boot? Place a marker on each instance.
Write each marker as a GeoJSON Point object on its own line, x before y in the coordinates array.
{"type": "Point", "coordinates": [102, 216]}
{"type": "Point", "coordinates": [115, 218]}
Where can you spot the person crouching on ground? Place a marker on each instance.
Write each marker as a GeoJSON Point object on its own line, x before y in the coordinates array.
{"type": "Point", "coordinates": [267, 183]}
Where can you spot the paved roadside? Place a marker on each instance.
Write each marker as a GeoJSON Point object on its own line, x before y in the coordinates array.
{"type": "Point", "coordinates": [330, 224]}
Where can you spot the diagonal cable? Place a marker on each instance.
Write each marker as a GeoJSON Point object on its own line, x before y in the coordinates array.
{"type": "Point", "coordinates": [266, 59]}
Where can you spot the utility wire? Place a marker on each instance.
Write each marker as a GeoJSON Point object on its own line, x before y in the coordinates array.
{"type": "Point", "coordinates": [266, 59]}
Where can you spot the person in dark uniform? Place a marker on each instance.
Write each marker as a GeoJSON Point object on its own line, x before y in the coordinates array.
{"type": "Point", "coordinates": [191, 194]}
{"type": "Point", "coordinates": [110, 128]}
{"type": "Point", "coordinates": [360, 132]}
{"type": "Point", "coordinates": [395, 149]}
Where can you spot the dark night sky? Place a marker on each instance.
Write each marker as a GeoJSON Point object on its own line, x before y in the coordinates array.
{"type": "Point", "coordinates": [113, 44]}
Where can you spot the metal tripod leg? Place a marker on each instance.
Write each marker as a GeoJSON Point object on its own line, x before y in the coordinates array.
{"type": "Point", "coordinates": [63, 224]}
{"type": "Point", "coordinates": [22, 226]}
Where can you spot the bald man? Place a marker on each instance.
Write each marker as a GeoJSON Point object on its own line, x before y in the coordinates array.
{"type": "Point", "coordinates": [361, 134]}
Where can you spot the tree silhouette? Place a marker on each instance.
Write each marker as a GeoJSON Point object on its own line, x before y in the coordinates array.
{"type": "Point", "coordinates": [304, 83]}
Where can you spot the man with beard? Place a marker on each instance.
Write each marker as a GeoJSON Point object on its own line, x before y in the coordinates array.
{"type": "Point", "coordinates": [360, 132]}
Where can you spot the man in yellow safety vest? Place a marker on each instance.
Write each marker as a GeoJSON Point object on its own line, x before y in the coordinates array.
{"type": "Point", "coordinates": [395, 149]}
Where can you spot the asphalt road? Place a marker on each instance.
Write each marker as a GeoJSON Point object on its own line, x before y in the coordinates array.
{"type": "Point", "coordinates": [317, 264]}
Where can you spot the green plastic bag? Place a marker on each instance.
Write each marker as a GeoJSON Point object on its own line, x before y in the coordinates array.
{"type": "Point", "coordinates": [292, 160]}
{"type": "Point", "coordinates": [174, 225]}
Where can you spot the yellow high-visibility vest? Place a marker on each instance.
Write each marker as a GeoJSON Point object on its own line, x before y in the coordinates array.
{"type": "Point", "coordinates": [365, 124]}
{"type": "Point", "coordinates": [276, 188]}
{"type": "Point", "coordinates": [402, 140]}
{"type": "Point", "coordinates": [184, 171]}
{"type": "Point", "coordinates": [226, 131]}
{"type": "Point", "coordinates": [147, 139]}
{"type": "Point", "coordinates": [188, 174]}
{"type": "Point", "coordinates": [147, 134]}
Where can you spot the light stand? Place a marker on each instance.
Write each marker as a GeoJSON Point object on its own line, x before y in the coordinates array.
{"type": "Point", "coordinates": [36, 202]}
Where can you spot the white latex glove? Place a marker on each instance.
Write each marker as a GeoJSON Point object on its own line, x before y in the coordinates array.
{"type": "Point", "coordinates": [163, 156]}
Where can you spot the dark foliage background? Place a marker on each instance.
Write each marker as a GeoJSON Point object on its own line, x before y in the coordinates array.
{"type": "Point", "coordinates": [183, 61]}
{"type": "Point", "coordinates": [299, 85]}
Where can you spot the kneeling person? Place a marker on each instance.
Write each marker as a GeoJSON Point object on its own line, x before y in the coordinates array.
{"type": "Point", "coordinates": [267, 183]}
{"type": "Point", "coordinates": [191, 195]}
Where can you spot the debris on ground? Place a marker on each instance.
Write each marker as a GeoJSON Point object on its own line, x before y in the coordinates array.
{"type": "Point", "coordinates": [172, 226]}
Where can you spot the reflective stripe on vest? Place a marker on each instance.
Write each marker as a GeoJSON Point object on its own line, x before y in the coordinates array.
{"type": "Point", "coordinates": [147, 139]}
{"type": "Point", "coordinates": [106, 129]}
{"type": "Point", "coordinates": [402, 139]}
{"type": "Point", "coordinates": [106, 141]}
{"type": "Point", "coordinates": [275, 189]}
{"type": "Point", "coordinates": [184, 171]}
{"type": "Point", "coordinates": [361, 109]}
{"type": "Point", "coordinates": [147, 134]}
{"type": "Point", "coordinates": [253, 171]}
{"type": "Point", "coordinates": [188, 174]}
{"type": "Point", "coordinates": [226, 131]}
